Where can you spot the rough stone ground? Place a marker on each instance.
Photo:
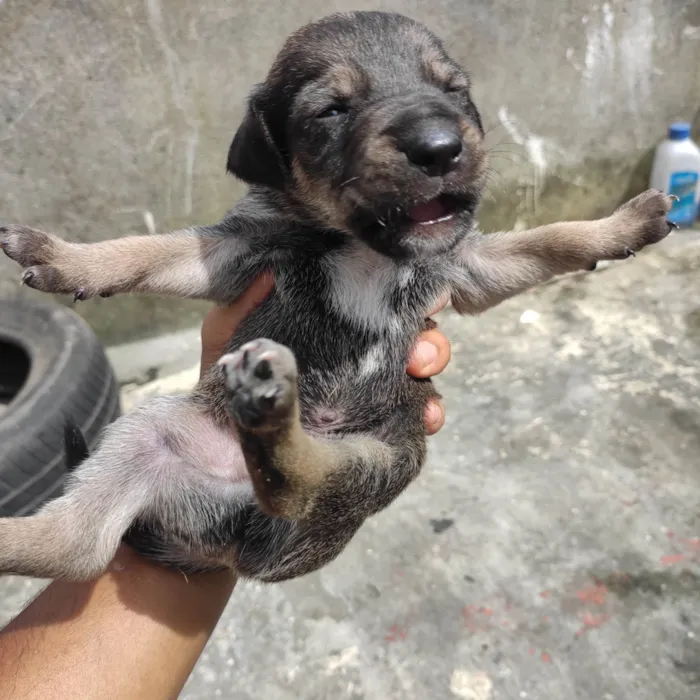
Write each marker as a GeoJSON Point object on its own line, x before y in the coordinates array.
{"type": "Point", "coordinates": [551, 548]}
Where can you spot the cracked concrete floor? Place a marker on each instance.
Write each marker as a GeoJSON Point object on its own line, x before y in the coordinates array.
{"type": "Point", "coordinates": [551, 547]}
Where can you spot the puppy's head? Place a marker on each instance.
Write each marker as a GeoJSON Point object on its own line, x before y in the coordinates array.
{"type": "Point", "coordinates": [367, 126]}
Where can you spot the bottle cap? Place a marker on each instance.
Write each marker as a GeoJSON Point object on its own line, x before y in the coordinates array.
{"type": "Point", "coordinates": [679, 131]}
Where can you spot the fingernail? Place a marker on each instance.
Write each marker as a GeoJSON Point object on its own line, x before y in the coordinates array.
{"type": "Point", "coordinates": [433, 414]}
{"type": "Point", "coordinates": [427, 353]}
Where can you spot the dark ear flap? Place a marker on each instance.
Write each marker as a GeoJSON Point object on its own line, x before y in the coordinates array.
{"type": "Point", "coordinates": [254, 156]}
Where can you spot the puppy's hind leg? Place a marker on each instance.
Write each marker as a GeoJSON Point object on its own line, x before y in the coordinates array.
{"type": "Point", "coordinates": [292, 470]}
{"type": "Point", "coordinates": [313, 492]}
{"type": "Point", "coordinates": [75, 536]}
{"type": "Point", "coordinates": [67, 539]}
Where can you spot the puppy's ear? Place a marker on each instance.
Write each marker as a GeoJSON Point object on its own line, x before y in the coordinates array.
{"type": "Point", "coordinates": [255, 155]}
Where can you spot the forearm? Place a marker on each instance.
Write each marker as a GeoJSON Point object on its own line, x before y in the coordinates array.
{"type": "Point", "coordinates": [495, 267]}
{"type": "Point", "coordinates": [498, 266]}
{"type": "Point", "coordinates": [136, 632]}
{"type": "Point", "coordinates": [207, 262]}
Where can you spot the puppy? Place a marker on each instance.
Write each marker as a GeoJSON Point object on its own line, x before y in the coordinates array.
{"type": "Point", "coordinates": [363, 151]}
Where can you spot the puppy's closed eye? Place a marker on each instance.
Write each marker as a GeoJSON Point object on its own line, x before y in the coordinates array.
{"type": "Point", "coordinates": [455, 87]}
{"type": "Point", "coordinates": [333, 111]}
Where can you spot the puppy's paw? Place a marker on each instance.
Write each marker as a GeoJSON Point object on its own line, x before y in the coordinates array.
{"type": "Point", "coordinates": [261, 384]}
{"type": "Point", "coordinates": [28, 246]}
{"type": "Point", "coordinates": [639, 223]}
{"type": "Point", "coordinates": [40, 254]}
{"type": "Point", "coordinates": [51, 265]}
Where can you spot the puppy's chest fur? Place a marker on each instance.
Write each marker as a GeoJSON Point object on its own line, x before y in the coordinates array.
{"type": "Point", "coordinates": [350, 316]}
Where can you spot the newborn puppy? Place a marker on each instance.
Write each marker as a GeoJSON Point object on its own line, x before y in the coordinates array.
{"type": "Point", "coordinates": [364, 155]}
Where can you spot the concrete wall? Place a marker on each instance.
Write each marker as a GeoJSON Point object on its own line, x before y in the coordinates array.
{"type": "Point", "coordinates": [115, 111]}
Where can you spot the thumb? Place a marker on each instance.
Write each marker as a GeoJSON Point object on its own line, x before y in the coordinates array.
{"type": "Point", "coordinates": [221, 322]}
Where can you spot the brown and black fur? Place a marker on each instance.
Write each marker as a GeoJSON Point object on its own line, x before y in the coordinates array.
{"type": "Point", "coordinates": [309, 424]}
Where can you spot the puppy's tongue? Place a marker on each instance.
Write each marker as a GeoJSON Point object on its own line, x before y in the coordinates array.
{"type": "Point", "coordinates": [428, 211]}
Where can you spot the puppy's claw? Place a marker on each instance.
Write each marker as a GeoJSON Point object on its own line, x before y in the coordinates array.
{"type": "Point", "coordinates": [27, 277]}
{"type": "Point", "coordinates": [231, 360]}
{"type": "Point", "coordinates": [592, 266]}
{"type": "Point", "coordinates": [225, 359]}
{"type": "Point", "coordinates": [674, 197]}
{"type": "Point", "coordinates": [79, 295]}
{"type": "Point", "coordinates": [673, 225]}
{"type": "Point", "coordinates": [630, 253]}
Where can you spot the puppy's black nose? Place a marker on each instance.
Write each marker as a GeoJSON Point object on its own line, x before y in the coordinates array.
{"type": "Point", "coordinates": [434, 146]}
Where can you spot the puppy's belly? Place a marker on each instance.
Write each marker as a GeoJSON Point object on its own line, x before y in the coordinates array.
{"type": "Point", "coordinates": [214, 450]}
{"type": "Point", "coordinates": [177, 438]}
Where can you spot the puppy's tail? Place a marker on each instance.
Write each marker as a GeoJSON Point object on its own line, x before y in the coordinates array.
{"type": "Point", "coordinates": [74, 445]}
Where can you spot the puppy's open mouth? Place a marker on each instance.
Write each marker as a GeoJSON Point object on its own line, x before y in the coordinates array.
{"type": "Point", "coordinates": [435, 211]}
{"type": "Point", "coordinates": [409, 227]}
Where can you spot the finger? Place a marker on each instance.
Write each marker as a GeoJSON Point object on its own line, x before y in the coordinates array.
{"type": "Point", "coordinates": [229, 317]}
{"type": "Point", "coordinates": [434, 417]}
{"type": "Point", "coordinates": [221, 322]}
{"type": "Point", "coordinates": [430, 355]}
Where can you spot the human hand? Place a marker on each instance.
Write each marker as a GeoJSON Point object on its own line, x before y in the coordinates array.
{"type": "Point", "coordinates": [429, 357]}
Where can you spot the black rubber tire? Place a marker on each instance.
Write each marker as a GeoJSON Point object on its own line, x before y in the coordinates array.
{"type": "Point", "coordinates": [53, 370]}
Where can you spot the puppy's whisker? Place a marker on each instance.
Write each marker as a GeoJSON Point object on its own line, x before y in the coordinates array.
{"type": "Point", "coordinates": [496, 181]}
{"type": "Point", "coordinates": [498, 125]}
{"type": "Point", "coordinates": [510, 160]}
{"type": "Point", "coordinates": [490, 176]}
{"type": "Point", "coordinates": [518, 146]}
{"type": "Point", "coordinates": [348, 181]}
{"type": "Point", "coordinates": [494, 176]}
{"type": "Point", "coordinates": [508, 154]}
{"type": "Point", "coordinates": [506, 150]}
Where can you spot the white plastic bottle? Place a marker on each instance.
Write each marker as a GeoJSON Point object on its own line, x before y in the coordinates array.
{"type": "Point", "coordinates": [676, 170]}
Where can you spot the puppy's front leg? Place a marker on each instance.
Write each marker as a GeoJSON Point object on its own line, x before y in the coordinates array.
{"type": "Point", "coordinates": [495, 267]}
{"type": "Point", "coordinates": [294, 474]}
{"type": "Point", "coordinates": [197, 263]}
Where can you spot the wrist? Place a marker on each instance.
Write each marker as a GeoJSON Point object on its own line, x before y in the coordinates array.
{"type": "Point", "coordinates": [130, 565]}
